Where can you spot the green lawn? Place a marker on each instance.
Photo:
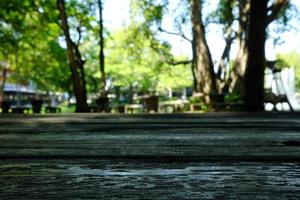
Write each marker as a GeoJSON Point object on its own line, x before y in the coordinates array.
{"type": "Point", "coordinates": [66, 108]}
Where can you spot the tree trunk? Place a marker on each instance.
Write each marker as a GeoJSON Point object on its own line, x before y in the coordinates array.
{"type": "Point", "coordinates": [236, 82]}
{"type": "Point", "coordinates": [222, 72]}
{"type": "Point", "coordinates": [76, 63]}
{"type": "Point", "coordinates": [237, 76]}
{"type": "Point", "coordinates": [101, 53]}
{"type": "Point", "coordinates": [80, 64]}
{"type": "Point", "coordinates": [194, 67]}
{"type": "Point", "coordinates": [254, 76]}
{"type": "Point", "coordinates": [203, 62]}
{"type": "Point", "coordinates": [195, 85]}
{"type": "Point", "coordinates": [3, 81]}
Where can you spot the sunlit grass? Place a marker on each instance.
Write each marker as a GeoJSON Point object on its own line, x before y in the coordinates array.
{"type": "Point", "coordinates": [67, 108]}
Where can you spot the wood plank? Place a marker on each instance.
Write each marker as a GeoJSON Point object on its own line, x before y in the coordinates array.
{"type": "Point", "coordinates": [203, 144]}
{"type": "Point", "coordinates": [258, 136]}
{"type": "Point", "coordinates": [147, 179]}
{"type": "Point", "coordinates": [83, 122]}
{"type": "Point", "coordinates": [155, 118]}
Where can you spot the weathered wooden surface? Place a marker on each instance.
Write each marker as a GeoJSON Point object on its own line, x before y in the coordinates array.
{"type": "Point", "coordinates": [214, 156]}
{"type": "Point", "coordinates": [138, 179]}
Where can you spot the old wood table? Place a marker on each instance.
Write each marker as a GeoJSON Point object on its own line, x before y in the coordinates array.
{"type": "Point", "coordinates": [93, 156]}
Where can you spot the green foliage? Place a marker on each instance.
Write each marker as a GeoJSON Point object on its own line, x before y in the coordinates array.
{"type": "Point", "coordinates": [11, 20]}
{"type": "Point", "coordinates": [67, 108]}
{"type": "Point", "coordinates": [32, 47]}
{"type": "Point", "coordinates": [149, 15]}
{"type": "Point", "coordinates": [81, 16]}
{"type": "Point", "coordinates": [139, 60]}
{"type": "Point", "coordinates": [225, 13]}
{"type": "Point", "coordinates": [151, 10]}
{"type": "Point", "coordinates": [31, 40]}
{"type": "Point", "coordinates": [232, 98]}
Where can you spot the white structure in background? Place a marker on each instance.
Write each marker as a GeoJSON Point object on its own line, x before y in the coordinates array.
{"type": "Point", "coordinates": [289, 83]}
{"type": "Point", "coordinates": [282, 83]}
{"type": "Point", "coordinates": [19, 88]}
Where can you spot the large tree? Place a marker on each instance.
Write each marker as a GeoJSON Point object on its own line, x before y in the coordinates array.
{"type": "Point", "coordinates": [201, 64]}
{"type": "Point", "coordinates": [255, 63]}
{"type": "Point", "coordinates": [75, 60]}
{"type": "Point", "coordinates": [206, 79]}
{"type": "Point", "coordinates": [275, 10]}
{"type": "Point", "coordinates": [236, 80]}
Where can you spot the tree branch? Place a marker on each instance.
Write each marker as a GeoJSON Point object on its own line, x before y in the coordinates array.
{"type": "Point", "coordinates": [78, 28]}
{"type": "Point", "coordinates": [182, 62]}
{"type": "Point", "coordinates": [177, 34]}
{"type": "Point", "coordinates": [275, 9]}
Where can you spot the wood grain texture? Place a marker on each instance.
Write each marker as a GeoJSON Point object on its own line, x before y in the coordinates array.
{"type": "Point", "coordinates": [100, 156]}
{"type": "Point", "coordinates": [147, 179]}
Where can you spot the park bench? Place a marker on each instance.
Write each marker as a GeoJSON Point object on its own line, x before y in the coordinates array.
{"type": "Point", "coordinates": [5, 106]}
{"type": "Point", "coordinates": [142, 104]}
{"type": "Point", "coordinates": [276, 99]}
{"type": "Point", "coordinates": [275, 92]}
{"type": "Point", "coordinates": [133, 108]}
{"type": "Point", "coordinates": [174, 106]}
{"type": "Point", "coordinates": [150, 103]}
{"type": "Point", "coordinates": [20, 109]}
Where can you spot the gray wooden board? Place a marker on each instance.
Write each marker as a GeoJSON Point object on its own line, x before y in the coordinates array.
{"type": "Point", "coordinates": [218, 136]}
{"type": "Point", "coordinates": [147, 179]}
{"type": "Point", "coordinates": [212, 156]}
{"type": "Point", "coordinates": [209, 143]}
{"type": "Point", "coordinates": [149, 118]}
